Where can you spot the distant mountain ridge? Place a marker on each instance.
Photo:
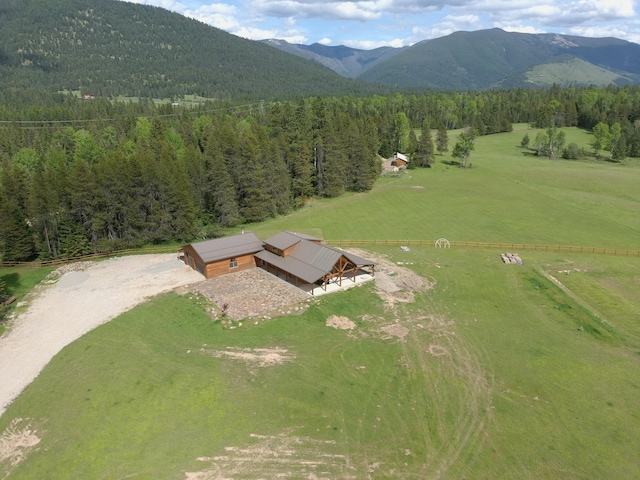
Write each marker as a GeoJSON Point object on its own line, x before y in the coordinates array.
{"type": "Point", "coordinates": [346, 61]}
{"type": "Point", "coordinates": [485, 59]}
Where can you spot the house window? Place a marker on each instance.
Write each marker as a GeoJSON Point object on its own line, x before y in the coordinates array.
{"type": "Point", "coordinates": [233, 263]}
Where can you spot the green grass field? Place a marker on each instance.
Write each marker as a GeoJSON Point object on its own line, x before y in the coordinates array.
{"type": "Point", "coordinates": [506, 371]}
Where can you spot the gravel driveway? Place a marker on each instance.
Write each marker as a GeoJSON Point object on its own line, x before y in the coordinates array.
{"type": "Point", "coordinates": [77, 303]}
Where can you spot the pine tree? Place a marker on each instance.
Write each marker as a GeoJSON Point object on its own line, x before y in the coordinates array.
{"type": "Point", "coordinates": [79, 197]}
{"type": "Point", "coordinates": [18, 241]}
{"type": "Point", "coordinates": [220, 195]}
{"type": "Point", "coordinates": [335, 156]}
{"type": "Point", "coordinates": [442, 140]}
{"type": "Point", "coordinates": [424, 152]}
{"type": "Point", "coordinates": [253, 198]}
{"type": "Point", "coordinates": [277, 177]}
{"type": "Point", "coordinates": [43, 208]}
{"type": "Point", "coordinates": [73, 241]}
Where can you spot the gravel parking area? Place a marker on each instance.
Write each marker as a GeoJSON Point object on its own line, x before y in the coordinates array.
{"type": "Point", "coordinates": [253, 293]}
{"type": "Point", "coordinates": [77, 299]}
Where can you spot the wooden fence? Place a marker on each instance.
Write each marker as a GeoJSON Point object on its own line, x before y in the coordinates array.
{"type": "Point", "coordinates": [93, 256]}
{"type": "Point", "coordinates": [505, 247]}
{"type": "Point", "coordinates": [510, 247]}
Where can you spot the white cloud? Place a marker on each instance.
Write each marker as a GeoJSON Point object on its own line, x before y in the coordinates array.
{"type": "Point", "coordinates": [615, 8]}
{"type": "Point", "coordinates": [219, 15]}
{"type": "Point", "coordinates": [294, 38]}
{"type": "Point", "coordinates": [520, 28]}
{"type": "Point", "coordinates": [255, 33]}
{"type": "Point", "coordinates": [603, 31]}
{"type": "Point", "coordinates": [371, 44]}
{"type": "Point", "coordinates": [370, 23]}
{"type": "Point", "coordinates": [338, 10]}
{"type": "Point", "coordinates": [325, 41]}
{"type": "Point", "coordinates": [447, 26]}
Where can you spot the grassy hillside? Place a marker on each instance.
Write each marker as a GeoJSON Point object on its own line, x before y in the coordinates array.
{"type": "Point", "coordinates": [505, 371]}
{"type": "Point", "coordinates": [573, 71]}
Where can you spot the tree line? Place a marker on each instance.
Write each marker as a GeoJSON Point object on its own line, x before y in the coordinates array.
{"type": "Point", "coordinates": [81, 176]}
{"type": "Point", "coordinates": [70, 191]}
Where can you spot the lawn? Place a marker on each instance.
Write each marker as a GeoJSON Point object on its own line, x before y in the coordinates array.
{"type": "Point", "coordinates": [506, 371]}
{"type": "Point", "coordinates": [508, 196]}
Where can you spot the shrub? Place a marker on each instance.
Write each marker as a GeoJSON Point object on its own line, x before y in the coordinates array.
{"type": "Point", "coordinates": [572, 152]}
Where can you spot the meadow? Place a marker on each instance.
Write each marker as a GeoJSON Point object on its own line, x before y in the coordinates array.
{"type": "Point", "coordinates": [505, 371]}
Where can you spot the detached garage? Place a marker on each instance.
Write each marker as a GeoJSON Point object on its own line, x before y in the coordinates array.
{"type": "Point", "coordinates": [222, 255]}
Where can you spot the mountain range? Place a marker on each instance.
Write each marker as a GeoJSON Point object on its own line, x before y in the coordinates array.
{"type": "Point", "coordinates": [484, 59]}
{"type": "Point", "coordinates": [110, 48]}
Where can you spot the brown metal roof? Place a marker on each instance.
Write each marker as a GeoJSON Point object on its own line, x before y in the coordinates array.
{"type": "Point", "coordinates": [284, 240]}
{"type": "Point", "coordinates": [304, 271]}
{"type": "Point", "coordinates": [227, 247]}
{"type": "Point", "coordinates": [310, 261]}
{"type": "Point", "coordinates": [319, 256]}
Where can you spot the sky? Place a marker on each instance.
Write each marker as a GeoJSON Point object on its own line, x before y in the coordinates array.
{"type": "Point", "coordinates": [368, 24]}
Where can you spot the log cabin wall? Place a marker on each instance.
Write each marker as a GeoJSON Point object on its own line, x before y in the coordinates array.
{"type": "Point", "coordinates": [229, 265]}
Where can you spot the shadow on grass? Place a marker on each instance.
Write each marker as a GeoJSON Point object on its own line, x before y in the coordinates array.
{"type": "Point", "coordinates": [529, 153]}
{"type": "Point", "coordinates": [12, 282]}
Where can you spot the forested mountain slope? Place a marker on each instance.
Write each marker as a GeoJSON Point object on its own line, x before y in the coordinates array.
{"type": "Point", "coordinates": [495, 58]}
{"type": "Point", "coordinates": [108, 47]}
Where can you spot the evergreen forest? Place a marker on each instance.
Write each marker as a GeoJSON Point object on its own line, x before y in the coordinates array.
{"type": "Point", "coordinates": [81, 176]}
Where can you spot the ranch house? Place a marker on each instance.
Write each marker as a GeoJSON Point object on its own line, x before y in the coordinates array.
{"type": "Point", "coordinates": [297, 258]}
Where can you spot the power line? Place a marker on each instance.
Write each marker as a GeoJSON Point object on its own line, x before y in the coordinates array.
{"type": "Point", "coordinates": [44, 124]}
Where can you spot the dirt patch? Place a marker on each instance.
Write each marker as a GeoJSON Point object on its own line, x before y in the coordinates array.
{"type": "Point", "coordinates": [262, 357]}
{"type": "Point", "coordinates": [394, 283]}
{"type": "Point", "coordinates": [437, 350]}
{"type": "Point", "coordinates": [277, 456]}
{"type": "Point", "coordinates": [395, 330]}
{"type": "Point", "coordinates": [253, 293]}
{"type": "Point", "coordinates": [340, 323]}
{"type": "Point", "coordinates": [75, 300]}
{"type": "Point", "coordinates": [16, 442]}
{"type": "Point", "coordinates": [386, 283]}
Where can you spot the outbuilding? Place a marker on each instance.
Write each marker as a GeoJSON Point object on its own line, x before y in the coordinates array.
{"type": "Point", "coordinates": [399, 160]}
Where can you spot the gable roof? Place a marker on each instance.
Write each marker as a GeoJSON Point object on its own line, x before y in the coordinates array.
{"type": "Point", "coordinates": [227, 247]}
{"type": "Point", "coordinates": [310, 261]}
{"type": "Point", "coordinates": [400, 156]}
{"type": "Point", "coordinates": [284, 240]}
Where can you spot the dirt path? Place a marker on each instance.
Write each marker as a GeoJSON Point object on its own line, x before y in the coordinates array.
{"type": "Point", "coordinates": [78, 302]}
